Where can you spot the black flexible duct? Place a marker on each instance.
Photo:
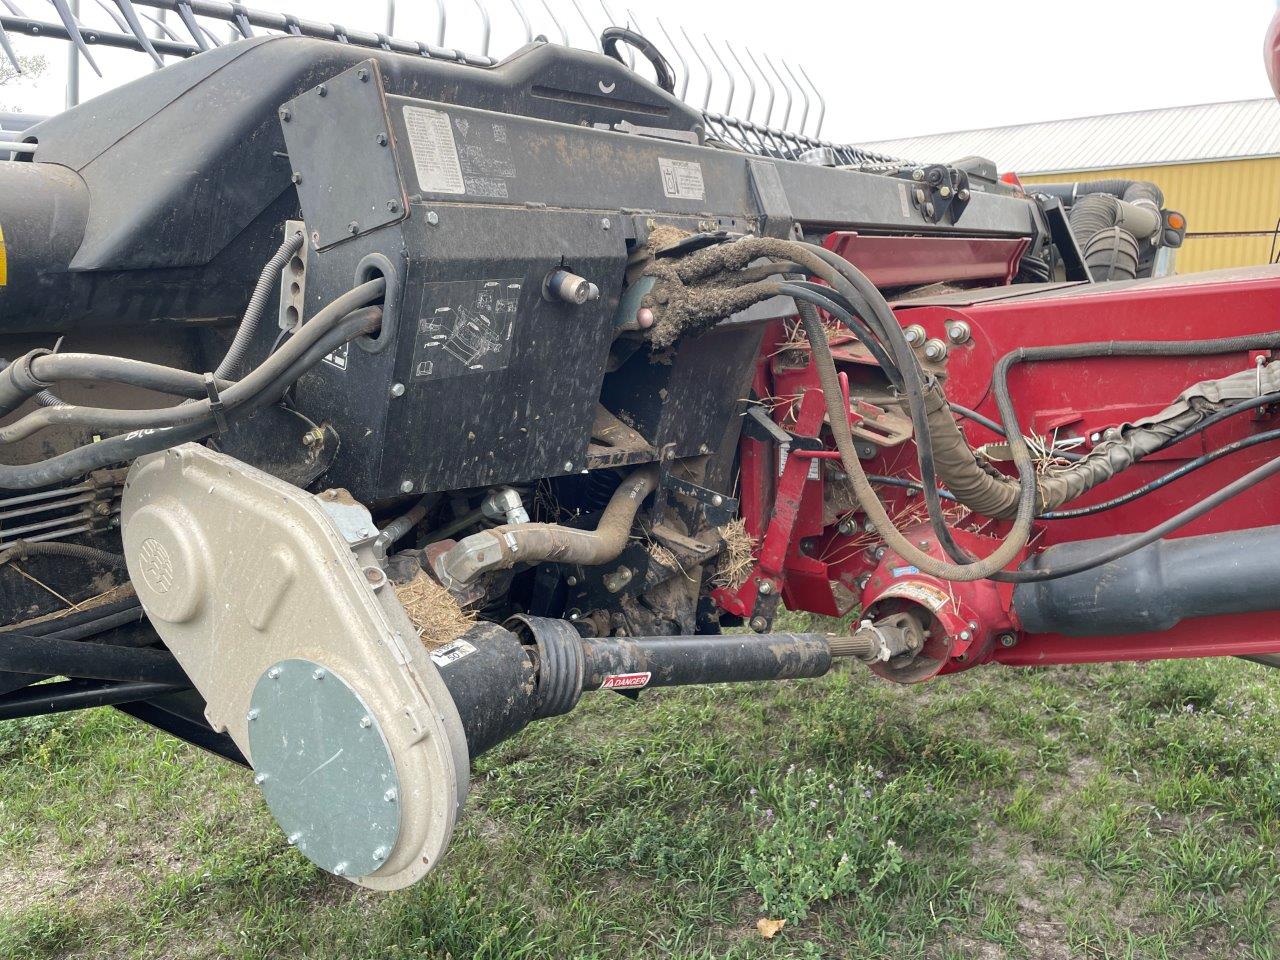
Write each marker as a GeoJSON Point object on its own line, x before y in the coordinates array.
{"type": "Point", "coordinates": [76, 551]}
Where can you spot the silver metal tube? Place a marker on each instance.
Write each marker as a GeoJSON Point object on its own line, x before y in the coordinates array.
{"type": "Point", "coordinates": [786, 113]}
{"type": "Point", "coordinates": [564, 34]}
{"type": "Point", "coordinates": [684, 65]}
{"type": "Point", "coordinates": [822, 103]}
{"type": "Point", "coordinates": [751, 84]}
{"type": "Point", "coordinates": [524, 19]}
{"type": "Point", "coordinates": [706, 96]}
{"type": "Point", "coordinates": [728, 104]}
{"type": "Point", "coordinates": [803, 92]}
{"type": "Point", "coordinates": [768, 109]}
{"type": "Point", "coordinates": [484, 27]}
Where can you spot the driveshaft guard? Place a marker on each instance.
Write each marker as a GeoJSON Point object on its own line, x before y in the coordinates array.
{"type": "Point", "coordinates": [241, 573]}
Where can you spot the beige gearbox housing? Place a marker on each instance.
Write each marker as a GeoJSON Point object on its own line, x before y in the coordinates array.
{"type": "Point", "coordinates": [273, 603]}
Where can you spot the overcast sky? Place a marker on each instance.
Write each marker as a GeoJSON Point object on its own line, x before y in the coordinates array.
{"type": "Point", "coordinates": [886, 69]}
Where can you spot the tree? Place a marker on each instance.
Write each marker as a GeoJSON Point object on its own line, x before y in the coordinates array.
{"type": "Point", "coordinates": [32, 68]}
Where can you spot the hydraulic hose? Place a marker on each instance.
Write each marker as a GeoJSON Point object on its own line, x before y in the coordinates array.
{"type": "Point", "coordinates": [401, 525]}
{"type": "Point", "coordinates": [505, 546]}
{"type": "Point", "coordinates": [127, 447]}
{"type": "Point", "coordinates": [252, 318]}
{"type": "Point", "coordinates": [34, 372]}
{"type": "Point", "coordinates": [76, 551]}
{"type": "Point", "coordinates": [235, 394]}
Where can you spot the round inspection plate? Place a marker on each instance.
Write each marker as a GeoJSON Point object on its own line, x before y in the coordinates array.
{"type": "Point", "coordinates": [324, 767]}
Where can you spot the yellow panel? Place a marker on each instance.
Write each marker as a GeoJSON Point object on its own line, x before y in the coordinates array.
{"type": "Point", "coordinates": [4, 261]}
{"type": "Point", "coordinates": [1229, 196]}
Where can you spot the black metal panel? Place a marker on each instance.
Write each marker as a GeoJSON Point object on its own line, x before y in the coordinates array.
{"type": "Point", "coordinates": [468, 415]}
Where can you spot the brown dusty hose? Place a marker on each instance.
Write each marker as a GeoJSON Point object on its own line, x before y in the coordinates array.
{"type": "Point", "coordinates": [505, 546]}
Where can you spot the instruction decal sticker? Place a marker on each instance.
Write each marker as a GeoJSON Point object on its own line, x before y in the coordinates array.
{"type": "Point", "coordinates": [682, 179]}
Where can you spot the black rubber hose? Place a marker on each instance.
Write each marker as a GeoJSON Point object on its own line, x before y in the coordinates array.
{"type": "Point", "coordinates": [66, 695]}
{"type": "Point", "coordinates": [1137, 542]}
{"type": "Point", "coordinates": [75, 551]}
{"type": "Point", "coordinates": [79, 618]}
{"type": "Point", "coordinates": [30, 374]}
{"type": "Point", "coordinates": [48, 656]}
{"type": "Point", "coordinates": [235, 394]}
{"type": "Point", "coordinates": [994, 427]}
{"type": "Point", "coordinates": [119, 449]}
{"type": "Point", "coordinates": [252, 319]}
{"type": "Point", "coordinates": [826, 298]}
{"type": "Point", "coordinates": [1189, 467]}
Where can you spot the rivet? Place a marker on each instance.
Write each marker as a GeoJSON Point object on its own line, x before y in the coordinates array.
{"type": "Point", "coordinates": [397, 389]}
{"type": "Point", "coordinates": [406, 486]}
{"type": "Point", "coordinates": [390, 795]}
{"type": "Point", "coordinates": [432, 217]}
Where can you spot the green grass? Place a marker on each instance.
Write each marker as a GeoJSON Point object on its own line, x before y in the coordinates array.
{"type": "Point", "coordinates": [1126, 811]}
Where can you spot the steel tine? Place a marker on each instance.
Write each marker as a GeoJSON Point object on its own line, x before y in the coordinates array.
{"type": "Point", "coordinates": [13, 8]}
{"type": "Point", "coordinates": [613, 22]}
{"type": "Point", "coordinates": [440, 18]}
{"type": "Point", "coordinates": [391, 17]}
{"type": "Point", "coordinates": [768, 109]}
{"type": "Point", "coordinates": [524, 19]}
{"type": "Point", "coordinates": [198, 33]}
{"type": "Point", "coordinates": [564, 34]}
{"type": "Point", "coordinates": [822, 103]}
{"type": "Point", "coordinates": [728, 104]}
{"type": "Point", "coordinates": [135, 27]}
{"type": "Point", "coordinates": [162, 27]}
{"type": "Point", "coordinates": [484, 27]}
{"type": "Point", "coordinates": [804, 116]}
{"type": "Point", "coordinates": [591, 31]}
{"type": "Point", "coordinates": [751, 83]}
{"type": "Point", "coordinates": [706, 96]}
{"type": "Point", "coordinates": [73, 31]}
{"type": "Point", "coordinates": [684, 65]}
{"type": "Point", "coordinates": [8, 50]}
{"type": "Point", "coordinates": [111, 12]}
{"type": "Point", "coordinates": [786, 113]}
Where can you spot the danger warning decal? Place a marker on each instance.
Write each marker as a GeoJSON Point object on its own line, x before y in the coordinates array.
{"type": "Point", "coordinates": [626, 681]}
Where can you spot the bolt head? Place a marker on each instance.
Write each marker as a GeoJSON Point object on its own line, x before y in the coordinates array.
{"type": "Point", "coordinates": [964, 634]}
{"type": "Point", "coordinates": [296, 178]}
{"type": "Point", "coordinates": [259, 778]}
{"type": "Point", "coordinates": [293, 838]}
{"type": "Point", "coordinates": [717, 500]}
{"type": "Point", "coordinates": [353, 227]}
{"type": "Point", "coordinates": [766, 587]}
{"type": "Point", "coordinates": [254, 714]}
{"type": "Point", "coordinates": [286, 115]}
{"type": "Point", "coordinates": [390, 795]}
{"type": "Point", "coordinates": [381, 139]}
{"type": "Point", "coordinates": [397, 389]}
{"type": "Point", "coordinates": [273, 673]}
{"type": "Point", "coordinates": [393, 205]}
{"type": "Point", "coordinates": [318, 673]}
{"type": "Point", "coordinates": [366, 723]}
{"type": "Point", "coordinates": [322, 90]}
{"type": "Point", "coordinates": [1007, 640]}
{"type": "Point", "coordinates": [406, 486]}
{"type": "Point", "coordinates": [568, 465]}
{"type": "Point", "coordinates": [380, 854]}
{"type": "Point", "coordinates": [432, 217]}
{"type": "Point", "coordinates": [606, 224]}
{"type": "Point", "coordinates": [759, 624]}
{"type": "Point", "coordinates": [363, 74]}
{"type": "Point", "coordinates": [571, 581]}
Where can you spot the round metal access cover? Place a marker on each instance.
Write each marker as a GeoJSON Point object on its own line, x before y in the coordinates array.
{"type": "Point", "coordinates": [324, 767]}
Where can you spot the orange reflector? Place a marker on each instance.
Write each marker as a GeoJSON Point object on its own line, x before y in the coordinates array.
{"type": "Point", "coordinates": [1177, 221]}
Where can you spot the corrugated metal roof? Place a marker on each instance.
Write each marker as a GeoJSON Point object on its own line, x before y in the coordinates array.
{"type": "Point", "coordinates": [1208, 131]}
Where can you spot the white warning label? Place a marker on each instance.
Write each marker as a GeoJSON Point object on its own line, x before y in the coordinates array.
{"type": "Point", "coordinates": [682, 179]}
{"type": "Point", "coordinates": [435, 153]}
{"type": "Point", "coordinates": [451, 651]}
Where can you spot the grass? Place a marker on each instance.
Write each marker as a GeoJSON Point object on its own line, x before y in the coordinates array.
{"type": "Point", "coordinates": [1120, 811]}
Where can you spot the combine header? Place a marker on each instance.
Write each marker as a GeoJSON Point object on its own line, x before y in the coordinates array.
{"type": "Point", "coordinates": [369, 401]}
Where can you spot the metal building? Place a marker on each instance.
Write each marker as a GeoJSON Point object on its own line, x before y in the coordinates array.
{"type": "Point", "coordinates": [1218, 163]}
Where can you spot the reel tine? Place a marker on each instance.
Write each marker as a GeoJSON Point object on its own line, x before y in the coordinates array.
{"type": "Point", "coordinates": [440, 23]}
{"type": "Point", "coordinates": [135, 27]}
{"type": "Point", "coordinates": [786, 113]}
{"type": "Point", "coordinates": [8, 51]}
{"type": "Point", "coordinates": [484, 27]}
{"type": "Point", "coordinates": [524, 19]}
{"type": "Point", "coordinates": [728, 104]}
{"type": "Point", "coordinates": [822, 103]}
{"type": "Point", "coordinates": [564, 34]}
{"type": "Point", "coordinates": [706, 96]}
{"type": "Point", "coordinates": [751, 83]}
{"type": "Point", "coordinates": [111, 12]}
{"type": "Point", "coordinates": [13, 8]}
{"type": "Point", "coordinates": [768, 109]}
{"type": "Point", "coordinates": [73, 31]}
{"type": "Point", "coordinates": [198, 33]}
{"type": "Point", "coordinates": [684, 64]}
{"type": "Point", "coordinates": [803, 93]}
{"type": "Point", "coordinates": [591, 31]}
